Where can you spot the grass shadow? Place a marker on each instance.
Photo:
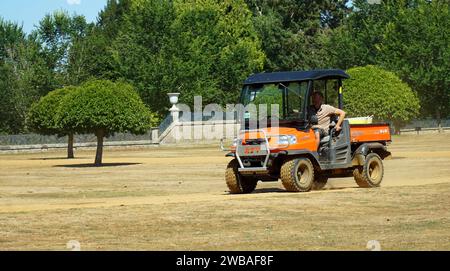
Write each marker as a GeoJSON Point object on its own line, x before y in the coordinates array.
{"type": "Point", "coordinates": [91, 165]}
{"type": "Point", "coordinates": [397, 158]}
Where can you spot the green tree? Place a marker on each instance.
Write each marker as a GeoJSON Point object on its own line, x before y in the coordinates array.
{"type": "Point", "coordinates": [417, 46]}
{"type": "Point", "coordinates": [374, 91]}
{"type": "Point", "coordinates": [203, 48]}
{"type": "Point", "coordinates": [103, 108]}
{"type": "Point", "coordinates": [139, 48]}
{"type": "Point", "coordinates": [7, 85]}
{"type": "Point", "coordinates": [409, 37]}
{"type": "Point", "coordinates": [10, 36]}
{"type": "Point", "coordinates": [42, 117]}
{"type": "Point", "coordinates": [23, 76]}
{"type": "Point", "coordinates": [305, 16]}
{"type": "Point", "coordinates": [216, 48]}
{"type": "Point", "coordinates": [111, 19]}
{"type": "Point", "coordinates": [294, 32]}
{"type": "Point", "coordinates": [358, 40]}
{"type": "Point", "coordinates": [56, 34]}
{"type": "Point", "coordinates": [92, 57]}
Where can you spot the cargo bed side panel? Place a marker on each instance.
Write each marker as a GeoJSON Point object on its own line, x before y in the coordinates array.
{"type": "Point", "coordinates": [370, 133]}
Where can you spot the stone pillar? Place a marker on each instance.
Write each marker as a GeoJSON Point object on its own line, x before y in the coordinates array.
{"type": "Point", "coordinates": [155, 135]}
{"type": "Point", "coordinates": [175, 113]}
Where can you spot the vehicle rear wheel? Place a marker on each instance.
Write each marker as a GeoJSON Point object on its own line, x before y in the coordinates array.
{"type": "Point", "coordinates": [319, 182]}
{"type": "Point", "coordinates": [238, 184]}
{"type": "Point", "coordinates": [371, 173]}
{"type": "Point", "coordinates": [297, 175]}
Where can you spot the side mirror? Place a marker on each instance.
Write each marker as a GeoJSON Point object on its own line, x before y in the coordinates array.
{"type": "Point", "coordinates": [313, 120]}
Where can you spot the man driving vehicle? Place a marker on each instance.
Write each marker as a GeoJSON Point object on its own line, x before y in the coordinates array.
{"type": "Point", "coordinates": [324, 112]}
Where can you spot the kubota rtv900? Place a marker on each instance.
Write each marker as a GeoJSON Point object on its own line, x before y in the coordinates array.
{"type": "Point", "coordinates": [289, 151]}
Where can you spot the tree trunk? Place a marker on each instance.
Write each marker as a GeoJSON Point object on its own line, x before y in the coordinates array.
{"type": "Point", "coordinates": [439, 121]}
{"type": "Point", "coordinates": [99, 155]}
{"type": "Point", "coordinates": [70, 147]}
{"type": "Point", "coordinates": [397, 128]}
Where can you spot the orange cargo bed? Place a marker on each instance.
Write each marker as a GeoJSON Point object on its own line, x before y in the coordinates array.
{"type": "Point", "coordinates": [376, 132]}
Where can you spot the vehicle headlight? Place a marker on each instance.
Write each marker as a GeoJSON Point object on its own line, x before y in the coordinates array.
{"type": "Point", "coordinates": [287, 140]}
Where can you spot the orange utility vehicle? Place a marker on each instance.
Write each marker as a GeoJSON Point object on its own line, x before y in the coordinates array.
{"type": "Point", "coordinates": [287, 150]}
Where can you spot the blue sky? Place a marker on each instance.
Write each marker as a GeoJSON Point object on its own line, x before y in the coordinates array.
{"type": "Point", "coordinates": [29, 12]}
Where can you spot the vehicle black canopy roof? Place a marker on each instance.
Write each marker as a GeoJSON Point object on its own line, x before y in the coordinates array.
{"type": "Point", "coordinates": [277, 77]}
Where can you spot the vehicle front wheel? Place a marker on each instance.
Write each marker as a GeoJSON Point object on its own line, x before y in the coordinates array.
{"type": "Point", "coordinates": [297, 175]}
{"type": "Point", "coordinates": [371, 173]}
{"type": "Point", "coordinates": [238, 184]}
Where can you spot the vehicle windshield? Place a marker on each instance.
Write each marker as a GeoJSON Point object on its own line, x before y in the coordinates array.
{"type": "Point", "coordinates": [290, 98]}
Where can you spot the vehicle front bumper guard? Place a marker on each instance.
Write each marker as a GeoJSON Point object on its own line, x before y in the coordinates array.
{"type": "Point", "coordinates": [263, 150]}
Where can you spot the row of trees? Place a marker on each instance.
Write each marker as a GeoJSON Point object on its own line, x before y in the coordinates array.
{"type": "Point", "coordinates": [208, 47]}
{"type": "Point", "coordinates": [408, 37]}
{"type": "Point", "coordinates": [32, 65]}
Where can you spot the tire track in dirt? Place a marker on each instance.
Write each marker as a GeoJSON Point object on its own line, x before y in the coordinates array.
{"type": "Point", "coordinates": [126, 201]}
{"type": "Point", "coordinates": [173, 199]}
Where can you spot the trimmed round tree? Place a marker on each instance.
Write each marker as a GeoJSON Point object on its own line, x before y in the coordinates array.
{"type": "Point", "coordinates": [42, 117]}
{"type": "Point", "coordinates": [372, 90]}
{"type": "Point", "coordinates": [103, 108]}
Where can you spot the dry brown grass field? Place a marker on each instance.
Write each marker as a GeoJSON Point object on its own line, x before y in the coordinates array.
{"type": "Point", "coordinates": [175, 198]}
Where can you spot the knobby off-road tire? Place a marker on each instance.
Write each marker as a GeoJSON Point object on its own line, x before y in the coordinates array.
{"type": "Point", "coordinates": [371, 173]}
{"type": "Point", "coordinates": [297, 175]}
{"type": "Point", "coordinates": [319, 181]}
{"type": "Point", "coordinates": [238, 184]}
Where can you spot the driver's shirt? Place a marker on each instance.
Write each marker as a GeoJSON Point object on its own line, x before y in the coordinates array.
{"type": "Point", "coordinates": [323, 115]}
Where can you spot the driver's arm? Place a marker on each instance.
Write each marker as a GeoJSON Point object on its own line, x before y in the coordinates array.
{"type": "Point", "coordinates": [341, 114]}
